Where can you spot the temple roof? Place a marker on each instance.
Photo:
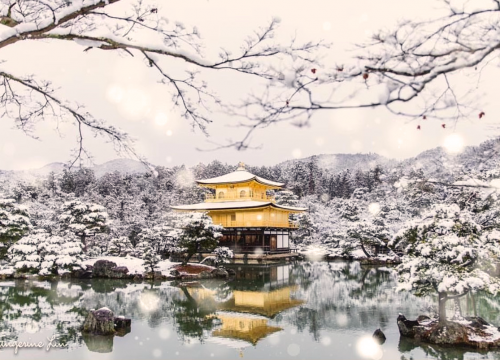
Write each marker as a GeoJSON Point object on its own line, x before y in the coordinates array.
{"type": "Point", "coordinates": [227, 205]}
{"type": "Point", "coordinates": [238, 176]}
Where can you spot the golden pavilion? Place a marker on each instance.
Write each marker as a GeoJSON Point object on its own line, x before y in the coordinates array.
{"type": "Point", "coordinates": [252, 221]}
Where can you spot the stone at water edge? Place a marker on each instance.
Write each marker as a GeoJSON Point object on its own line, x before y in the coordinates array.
{"type": "Point", "coordinates": [220, 273]}
{"type": "Point", "coordinates": [100, 322]}
{"type": "Point", "coordinates": [122, 322]}
{"type": "Point", "coordinates": [379, 336]}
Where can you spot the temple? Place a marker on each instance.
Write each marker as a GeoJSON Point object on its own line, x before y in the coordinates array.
{"type": "Point", "coordinates": [253, 222]}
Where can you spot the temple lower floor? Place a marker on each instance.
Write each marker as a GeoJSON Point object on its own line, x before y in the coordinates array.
{"type": "Point", "coordinates": [256, 240]}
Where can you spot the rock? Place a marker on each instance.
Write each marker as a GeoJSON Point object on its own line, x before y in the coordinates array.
{"type": "Point", "coordinates": [175, 273]}
{"type": "Point", "coordinates": [477, 322]}
{"type": "Point", "coordinates": [19, 276]}
{"type": "Point", "coordinates": [82, 274]}
{"type": "Point", "coordinates": [153, 276]}
{"type": "Point", "coordinates": [423, 318]}
{"type": "Point", "coordinates": [86, 275]}
{"type": "Point", "coordinates": [108, 269]}
{"type": "Point", "coordinates": [122, 322]}
{"type": "Point", "coordinates": [205, 275]}
{"type": "Point", "coordinates": [406, 326]}
{"type": "Point", "coordinates": [100, 322]}
{"type": "Point", "coordinates": [119, 272]}
{"type": "Point", "coordinates": [379, 336]}
{"type": "Point", "coordinates": [102, 268]}
{"type": "Point", "coordinates": [477, 334]}
{"type": "Point", "coordinates": [231, 272]}
{"type": "Point", "coordinates": [89, 267]}
{"type": "Point", "coordinates": [66, 275]}
{"type": "Point", "coordinates": [220, 273]}
{"type": "Point", "coordinates": [137, 277]}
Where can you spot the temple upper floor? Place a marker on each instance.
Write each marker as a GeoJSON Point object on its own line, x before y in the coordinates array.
{"type": "Point", "coordinates": [239, 185]}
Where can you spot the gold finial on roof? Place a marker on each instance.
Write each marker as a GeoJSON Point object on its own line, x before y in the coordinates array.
{"type": "Point", "coordinates": [241, 166]}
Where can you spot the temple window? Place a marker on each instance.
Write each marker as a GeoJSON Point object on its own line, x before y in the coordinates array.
{"type": "Point", "coordinates": [243, 193]}
{"type": "Point", "coordinates": [221, 195]}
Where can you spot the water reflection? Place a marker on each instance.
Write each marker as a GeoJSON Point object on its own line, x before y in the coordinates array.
{"type": "Point", "coordinates": [310, 310]}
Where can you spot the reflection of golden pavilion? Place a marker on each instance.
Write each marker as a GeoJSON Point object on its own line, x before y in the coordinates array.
{"type": "Point", "coordinates": [243, 327]}
{"type": "Point", "coordinates": [268, 304]}
{"type": "Point", "coordinates": [244, 313]}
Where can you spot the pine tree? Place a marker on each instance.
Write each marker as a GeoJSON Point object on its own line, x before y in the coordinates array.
{"type": "Point", "coordinates": [198, 233]}
{"type": "Point", "coordinates": [450, 253]}
{"type": "Point", "coordinates": [24, 254]}
{"type": "Point", "coordinates": [14, 223]}
{"type": "Point", "coordinates": [84, 219]}
{"type": "Point", "coordinates": [120, 246]}
{"type": "Point", "coordinates": [151, 259]}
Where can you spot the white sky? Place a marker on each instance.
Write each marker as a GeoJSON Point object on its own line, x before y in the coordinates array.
{"type": "Point", "coordinates": [92, 78]}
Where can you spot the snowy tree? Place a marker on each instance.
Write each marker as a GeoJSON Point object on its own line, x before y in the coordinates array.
{"type": "Point", "coordinates": [222, 255]}
{"type": "Point", "coordinates": [286, 197]}
{"type": "Point", "coordinates": [412, 68]}
{"type": "Point", "coordinates": [199, 233]}
{"type": "Point", "coordinates": [448, 253]}
{"type": "Point", "coordinates": [14, 223]}
{"type": "Point", "coordinates": [61, 253]}
{"type": "Point", "coordinates": [138, 29]}
{"type": "Point", "coordinates": [84, 219]}
{"type": "Point", "coordinates": [151, 259]}
{"type": "Point", "coordinates": [120, 246]}
{"type": "Point", "coordinates": [24, 254]}
{"type": "Point", "coordinates": [46, 254]}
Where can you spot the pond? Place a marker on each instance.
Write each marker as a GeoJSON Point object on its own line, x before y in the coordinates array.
{"type": "Point", "coordinates": [306, 310]}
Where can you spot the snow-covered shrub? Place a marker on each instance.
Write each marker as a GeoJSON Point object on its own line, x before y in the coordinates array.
{"type": "Point", "coordinates": [60, 254]}
{"type": "Point", "coordinates": [46, 254]}
{"type": "Point", "coordinates": [222, 255]}
{"type": "Point", "coordinates": [24, 254]}
{"type": "Point", "coordinates": [14, 223]}
{"type": "Point", "coordinates": [120, 246]}
{"type": "Point", "coordinates": [151, 259]}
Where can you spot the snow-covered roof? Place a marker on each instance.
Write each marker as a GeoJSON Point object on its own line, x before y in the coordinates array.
{"type": "Point", "coordinates": [238, 176]}
{"type": "Point", "coordinates": [226, 205]}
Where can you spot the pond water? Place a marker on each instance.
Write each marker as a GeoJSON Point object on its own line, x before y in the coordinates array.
{"type": "Point", "coordinates": [307, 310]}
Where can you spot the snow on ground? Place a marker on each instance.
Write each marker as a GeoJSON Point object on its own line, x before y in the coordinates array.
{"type": "Point", "coordinates": [133, 264]}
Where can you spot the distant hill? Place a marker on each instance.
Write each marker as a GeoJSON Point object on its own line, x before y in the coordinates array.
{"type": "Point", "coordinates": [338, 162]}
{"type": "Point", "coordinates": [123, 166]}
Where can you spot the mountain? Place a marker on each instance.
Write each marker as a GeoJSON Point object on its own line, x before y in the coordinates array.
{"type": "Point", "coordinates": [338, 162]}
{"type": "Point", "coordinates": [123, 166]}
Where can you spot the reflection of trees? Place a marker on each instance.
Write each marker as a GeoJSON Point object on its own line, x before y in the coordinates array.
{"type": "Point", "coordinates": [192, 318]}
{"type": "Point", "coordinates": [31, 307]}
{"type": "Point", "coordinates": [333, 290]}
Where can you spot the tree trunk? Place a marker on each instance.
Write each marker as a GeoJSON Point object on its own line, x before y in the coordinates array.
{"type": "Point", "coordinates": [84, 242]}
{"type": "Point", "coordinates": [187, 258]}
{"type": "Point", "coordinates": [363, 248]}
{"type": "Point", "coordinates": [473, 303]}
{"type": "Point", "coordinates": [458, 310]}
{"type": "Point", "coordinates": [442, 297]}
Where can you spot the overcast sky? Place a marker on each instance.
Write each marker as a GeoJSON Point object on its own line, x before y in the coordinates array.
{"type": "Point", "coordinates": [95, 77]}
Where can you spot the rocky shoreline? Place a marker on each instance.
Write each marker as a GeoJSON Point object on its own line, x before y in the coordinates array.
{"type": "Point", "coordinates": [472, 332]}
{"type": "Point", "coordinates": [104, 269]}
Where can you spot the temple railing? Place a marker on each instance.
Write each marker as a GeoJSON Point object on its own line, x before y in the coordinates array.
{"type": "Point", "coordinates": [235, 197]}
